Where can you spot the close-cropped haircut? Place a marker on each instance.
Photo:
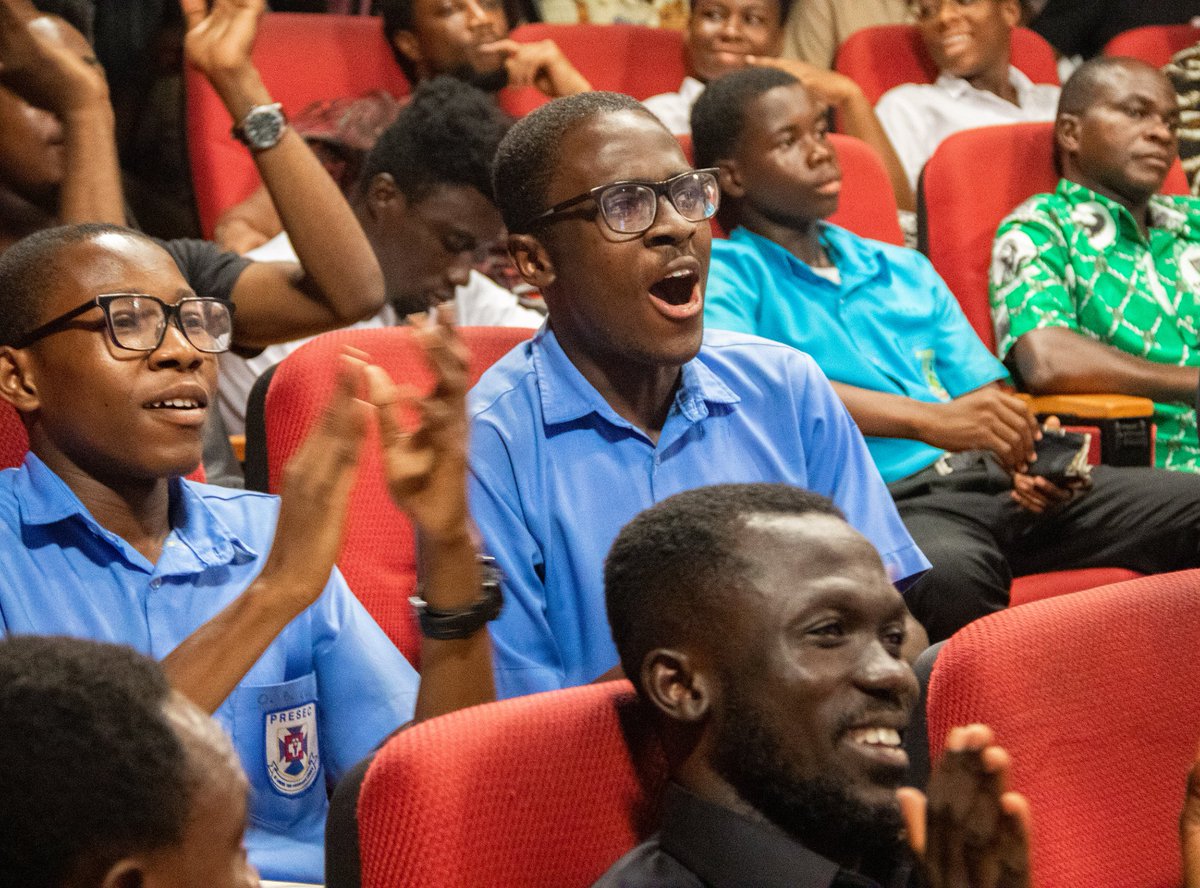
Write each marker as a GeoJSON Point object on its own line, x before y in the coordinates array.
{"type": "Point", "coordinates": [677, 569]}
{"type": "Point", "coordinates": [719, 115]}
{"type": "Point", "coordinates": [529, 155]}
{"type": "Point", "coordinates": [92, 769]}
{"type": "Point", "coordinates": [446, 135]}
{"type": "Point", "coordinates": [27, 266]}
{"type": "Point", "coordinates": [1079, 92]}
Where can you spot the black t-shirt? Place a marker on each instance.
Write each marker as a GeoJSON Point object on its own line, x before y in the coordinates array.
{"type": "Point", "coordinates": [209, 270]}
{"type": "Point", "coordinates": [1082, 27]}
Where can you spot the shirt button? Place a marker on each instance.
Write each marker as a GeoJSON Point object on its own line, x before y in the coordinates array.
{"type": "Point", "coordinates": [155, 583]}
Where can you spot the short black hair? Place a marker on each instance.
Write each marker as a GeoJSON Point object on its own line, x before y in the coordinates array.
{"type": "Point", "coordinates": [673, 569]}
{"type": "Point", "coordinates": [446, 135]}
{"type": "Point", "coordinates": [1079, 92]}
{"type": "Point", "coordinates": [397, 15]}
{"type": "Point", "coordinates": [719, 115]}
{"type": "Point", "coordinates": [93, 770]}
{"type": "Point", "coordinates": [27, 266]}
{"type": "Point", "coordinates": [529, 155]}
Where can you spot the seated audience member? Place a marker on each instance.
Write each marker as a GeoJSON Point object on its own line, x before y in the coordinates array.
{"type": "Point", "coordinates": [762, 635]}
{"type": "Point", "coordinates": [971, 43]}
{"type": "Point", "coordinates": [1096, 287]}
{"type": "Point", "coordinates": [466, 39]}
{"type": "Point", "coordinates": [952, 444]}
{"type": "Point", "coordinates": [111, 778]}
{"type": "Point", "coordinates": [109, 357]}
{"type": "Point", "coordinates": [727, 35]}
{"type": "Point", "coordinates": [1184, 73]}
{"type": "Point", "coordinates": [1081, 28]}
{"type": "Point", "coordinates": [623, 399]}
{"type": "Point", "coordinates": [816, 28]}
{"type": "Point", "coordinates": [425, 205]}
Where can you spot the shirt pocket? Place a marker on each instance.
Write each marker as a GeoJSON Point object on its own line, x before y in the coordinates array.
{"type": "Point", "coordinates": [277, 736]}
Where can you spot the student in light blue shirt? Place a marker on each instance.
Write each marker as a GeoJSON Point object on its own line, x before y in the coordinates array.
{"type": "Point", "coordinates": [623, 400]}
{"type": "Point", "coordinates": [954, 446]}
{"type": "Point", "coordinates": [111, 361]}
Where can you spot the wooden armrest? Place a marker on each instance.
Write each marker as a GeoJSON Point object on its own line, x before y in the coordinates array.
{"type": "Point", "coordinates": [1091, 406]}
{"type": "Point", "coordinates": [238, 443]}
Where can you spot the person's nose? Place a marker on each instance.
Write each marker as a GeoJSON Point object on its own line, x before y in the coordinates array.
{"type": "Point", "coordinates": [669, 226]}
{"type": "Point", "coordinates": [176, 351]}
{"type": "Point", "coordinates": [883, 674]}
{"type": "Point", "coordinates": [459, 272]}
{"type": "Point", "coordinates": [476, 14]}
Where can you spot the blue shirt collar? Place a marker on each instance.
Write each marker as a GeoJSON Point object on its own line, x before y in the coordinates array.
{"type": "Point", "coordinates": [566, 395]}
{"type": "Point", "coordinates": [198, 540]}
{"type": "Point", "coordinates": [858, 259]}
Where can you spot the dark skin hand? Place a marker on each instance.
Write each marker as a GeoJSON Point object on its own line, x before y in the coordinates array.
{"type": "Point", "coordinates": [970, 831]}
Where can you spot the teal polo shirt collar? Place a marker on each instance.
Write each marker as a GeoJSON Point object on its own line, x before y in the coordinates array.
{"type": "Point", "coordinates": [198, 540]}
{"type": "Point", "coordinates": [567, 396]}
{"type": "Point", "coordinates": [857, 260]}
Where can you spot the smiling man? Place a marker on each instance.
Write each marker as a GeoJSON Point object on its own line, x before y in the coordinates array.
{"type": "Point", "coordinates": [110, 358]}
{"type": "Point", "coordinates": [971, 43]}
{"type": "Point", "coordinates": [764, 640]}
{"type": "Point", "coordinates": [1096, 287]}
{"type": "Point", "coordinates": [623, 399]}
{"type": "Point", "coordinates": [954, 446]}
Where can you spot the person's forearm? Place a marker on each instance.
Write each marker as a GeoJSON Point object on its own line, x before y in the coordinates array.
{"type": "Point", "coordinates": [325, 234]}
{"type": "Point", "coordinates": [858, 119]}
{"type": "Point", "coordinates": [91, 186]}
{"type": "Point", "coordinates": [455, 673]}
{"type": "Point", "coordinates": [209, 663]}
{"type": "Point", "coordinates": [882, 414]}
{"type": "Point", "coordinates": [1060, 361]}
{"type": "Point", "coordinates": [567, 81]}
{"type": "Point", "coordinates": [254, 219]}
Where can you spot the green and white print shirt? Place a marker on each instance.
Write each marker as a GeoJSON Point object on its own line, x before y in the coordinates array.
{"type": "Point", "coordinates": [1076, 259]}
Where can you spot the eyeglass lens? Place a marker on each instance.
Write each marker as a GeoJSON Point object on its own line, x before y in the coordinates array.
{"type": "Point", "coordinates": [139, 322]}
{"type": "Point", "coordinates": [631, 208]}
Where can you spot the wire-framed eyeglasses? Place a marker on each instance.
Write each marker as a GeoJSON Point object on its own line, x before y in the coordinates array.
{"type": "Point", "coordinates": [630, 207]}
{"type": "Point", "coordinates": [138, 322]}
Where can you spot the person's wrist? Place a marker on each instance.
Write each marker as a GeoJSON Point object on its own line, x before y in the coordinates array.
{"type": "Point", "coordinates": [240, 89]}
{"type": "Point", "coordinates": [923, 420]}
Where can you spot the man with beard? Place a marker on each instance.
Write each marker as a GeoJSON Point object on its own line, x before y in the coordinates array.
{"type": "Point", "coordinates": [762, 633]}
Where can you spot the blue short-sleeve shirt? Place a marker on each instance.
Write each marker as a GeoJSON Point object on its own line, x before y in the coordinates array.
{"type": "Point", "coordinates": [322, 696]}
{"type": "Point", "coordinates": [890, 325]}
{"type": "Point", "coordinates": [556, 473]}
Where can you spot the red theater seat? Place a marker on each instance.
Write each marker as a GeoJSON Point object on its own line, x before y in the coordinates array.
{"type": "Point", "coordinates": [303, 57]}
{"type": "Point", "coordinates": [378, 557]}
{"type": "Point", "coordinates": [885, 56]}
{"type": "Point", "coordinates": [1094, 696]}
{"type": "Point", "coordinates": [545, 791]}
{"type": "Point", "coordinates": [1154, 44]}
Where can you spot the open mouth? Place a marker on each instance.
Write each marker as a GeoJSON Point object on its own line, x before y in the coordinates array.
{"type": "Point", "coordinates": [676, 288]}
{"type": "Point", "coordinates": [879, 744]}
{"type": "Point", "coordinates": [953, 43]}
{"type": "Point", "coordinates": [177, 404]}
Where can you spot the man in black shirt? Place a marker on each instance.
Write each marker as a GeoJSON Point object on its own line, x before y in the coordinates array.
{"type": "Point", "coordinates": [763, 634]}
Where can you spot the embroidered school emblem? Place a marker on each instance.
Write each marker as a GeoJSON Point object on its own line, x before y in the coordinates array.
{"type": "Point", "coordinates": [293, 756]}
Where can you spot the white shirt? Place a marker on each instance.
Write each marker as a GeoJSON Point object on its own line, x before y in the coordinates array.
{"type": "Point", "coordinates": [479, 303]}
{"type": "Point", "coordinates": [917, 116]}
{"type": "Point", "coordinates": [675, 109]}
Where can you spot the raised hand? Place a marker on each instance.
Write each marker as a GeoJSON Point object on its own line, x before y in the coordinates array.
{"type": "Point", "coordinates": [969, 832]}
{"type": "Point", "coordinates": [38, 62]}
{"type": "Point", "coordinates": [426, 467]}
{"type": "Point", "coordinates": [219, 40]}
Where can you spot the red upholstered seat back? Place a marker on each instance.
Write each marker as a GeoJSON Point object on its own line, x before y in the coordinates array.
{"type": "Point", "coordinates": [974, 179]}
{"type": "Point", "coordinates": [885, 56]}
{"type": "Point", "coordinates": [631, 59]}
{"type": "Point", "coordinates": [1094, 695]}
{"type": "Point", "coordinates": [378, 557]}
{"type": "Point", "coordinates": [1154, 44]}
{"type": "Point", "coordinates": [303, 57]}
{"type": "Point", "coordinates": [545, 791]}
{"type": "Point", "coordinates": [14, 443]}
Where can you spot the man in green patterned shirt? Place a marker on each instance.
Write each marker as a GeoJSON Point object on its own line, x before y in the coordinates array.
{"type": "Point", "coordinates": [1096, 287]}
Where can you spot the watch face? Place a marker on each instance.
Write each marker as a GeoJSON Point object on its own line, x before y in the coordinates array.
{"type": "Point", "coordinates": [263, 127]}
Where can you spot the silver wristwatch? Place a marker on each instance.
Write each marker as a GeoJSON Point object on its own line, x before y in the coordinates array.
{"type": "Point", "coordinates": [262, 127]}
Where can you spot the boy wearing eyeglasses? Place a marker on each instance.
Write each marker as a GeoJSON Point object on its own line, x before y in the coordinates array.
{"type": "Point", "coordinates": [623, 399]}
{"type": "Point", "coordinates": [110, 358]}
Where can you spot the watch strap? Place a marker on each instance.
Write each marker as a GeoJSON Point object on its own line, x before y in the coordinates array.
{"type": "Point", "coordinates": [445, 625]}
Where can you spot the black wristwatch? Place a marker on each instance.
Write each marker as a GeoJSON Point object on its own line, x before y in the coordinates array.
{"type": "Point", "coordinates": [465, 622]}
{"type": "Point", "coordinates": [262, 127]}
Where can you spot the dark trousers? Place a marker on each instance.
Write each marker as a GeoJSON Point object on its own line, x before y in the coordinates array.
{"type": "Point", "coordinates": [978, 539]}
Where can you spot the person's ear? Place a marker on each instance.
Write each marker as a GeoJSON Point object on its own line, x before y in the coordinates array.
{"type": "Point", "coordinates": [532, 260]}
{"type": "Point", "coordinates": [1066, 133]}
{"type": "Point", "coordinates": [129, 872]}
{"type": "Point", "coordinates": [382, 194]}
{"type": "Point", "coordinates": [1011, 10]}
{"type": "Point", "coordinates": [16, 380]}
{"type": "Point", "coordinates": [409, 46]}
{"type": "Point", "coordinates": [729, 177]}
{"type": "Point", "coordinates": [675, 686]}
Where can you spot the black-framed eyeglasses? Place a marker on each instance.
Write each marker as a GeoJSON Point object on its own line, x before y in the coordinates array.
{"type": "Point", "coordinates": [631, 207]}
{"type": "Point", "coordinates": [924, 10]}
{"type": "Point", "coordinates": [138, 322]}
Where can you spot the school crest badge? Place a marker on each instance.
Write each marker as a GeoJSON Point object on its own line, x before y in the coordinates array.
{"type": "Point", "coordinates": [293, 753]}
